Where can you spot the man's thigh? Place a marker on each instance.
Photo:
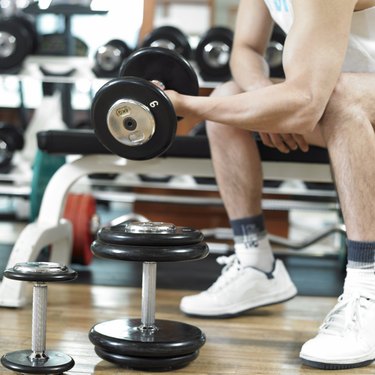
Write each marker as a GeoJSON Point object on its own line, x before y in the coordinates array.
{"type": "Point", "coordinates": [354, 94]}
{"type": "Point", "coordinates": [358, 90]}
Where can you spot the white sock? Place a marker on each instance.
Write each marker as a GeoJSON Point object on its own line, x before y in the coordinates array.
{"type": "Point", "coordinates": [360, 280]}
{"type": "Point", "coordinates": [257, 254]}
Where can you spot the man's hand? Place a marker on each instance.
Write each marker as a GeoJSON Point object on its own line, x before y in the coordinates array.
{"type": "Point", "coordinates": [285, 142]}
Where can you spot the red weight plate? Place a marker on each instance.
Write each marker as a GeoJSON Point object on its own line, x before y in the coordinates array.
{"type": "Point", "coordinates": [70, 213]}
{"type": "Point", "coordinates": [79, 210]}
{"type": "Point", "coordinates": [86, 211]}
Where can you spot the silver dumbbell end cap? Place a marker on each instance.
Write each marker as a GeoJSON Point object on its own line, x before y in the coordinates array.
{"type": "Point", "coordinates": [149, 227]}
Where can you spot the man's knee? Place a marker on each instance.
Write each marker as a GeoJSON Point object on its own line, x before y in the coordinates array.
{"type": "Point", "coordinates": [225, 89]}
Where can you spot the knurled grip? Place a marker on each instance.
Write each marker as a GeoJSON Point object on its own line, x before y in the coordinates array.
{"type": "Point", "coordinates": [39, 319]}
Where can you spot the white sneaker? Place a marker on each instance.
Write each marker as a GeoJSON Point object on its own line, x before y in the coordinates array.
{"type": "Point", "coordinates": [346, 339]}
{"type": "Point", "coordinates": [239, 289]}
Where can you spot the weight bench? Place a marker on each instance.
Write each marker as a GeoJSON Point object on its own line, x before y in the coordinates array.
{"type": "Point", "coordinates": [188, 155]}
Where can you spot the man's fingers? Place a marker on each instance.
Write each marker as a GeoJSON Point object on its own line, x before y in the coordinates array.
{"type": "Point", "coordinates": [279, 143]}
{"type": "Point", "coordinates": [158, 84]}
{"type": "Point", "coordinates": [285, 142]}
{"type": "Point", "coordinates": [266, 139]}
{"type": "Point", "coordinates": [289, 141]}
{"type": "Point", "coordinates": [301, 142]}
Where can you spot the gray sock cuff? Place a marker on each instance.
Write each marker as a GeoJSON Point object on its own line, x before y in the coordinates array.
{"type": "Point", "coordinates": [361, 254]}
{"type": "Point", "coordinates": [248, 228]}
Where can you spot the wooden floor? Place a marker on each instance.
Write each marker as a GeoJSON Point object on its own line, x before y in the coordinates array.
{"type": "Point", "coordinates": [265, 341]}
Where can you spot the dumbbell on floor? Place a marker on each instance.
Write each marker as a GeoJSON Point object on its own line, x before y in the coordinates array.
{"type": "Point", "coordinates": [146, 343]}
{"type": "Point", "coordinates": [130, 115]}
{"type": "Point", "coordinates": [38, 360]}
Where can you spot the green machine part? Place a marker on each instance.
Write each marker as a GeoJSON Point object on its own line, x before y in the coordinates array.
{"type": "Point", "coordinates": [45, 166]}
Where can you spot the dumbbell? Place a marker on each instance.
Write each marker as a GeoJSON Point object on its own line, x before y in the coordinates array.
{"type": "Point", "coordinates": [109, 57]}
{"type": "Point", "coordinates": [148, 343]}
{"type": "Point", "coordinates": [38, 360]}
{"type": "Point", "coordinates": [212, 54]}
{"type": "Point", "coordinates": [169, 37]}
{"type": "Point", "coordinates": [11, 140]}
{"type": "Point", "coordinates": [274, 52]}
{"type": "Point", "coordinates": [134, 118]}
{"type": "Point", "coordinates": [18, 39]}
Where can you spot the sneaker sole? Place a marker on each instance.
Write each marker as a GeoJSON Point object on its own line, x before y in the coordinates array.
{"type": "Point", "coordinates": [238, 313]}
{"type": "Point", "coordinates": [335, 366]}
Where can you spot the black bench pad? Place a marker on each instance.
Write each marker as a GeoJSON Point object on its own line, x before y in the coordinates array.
{"type": "Point", "coordinates": [84, 142]}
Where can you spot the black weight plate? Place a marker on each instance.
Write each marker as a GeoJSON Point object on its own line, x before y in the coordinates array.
{"type": "Point", "coordinates": [18, 361]}
{"type": "Point", "coordinates": [40, 271]}
{"type": "Point", "coordinates": [121, 45]}
{"type": "Point", "coordinates": [219, 33]}
{"type": "Point", "coordinates": [28, 22]}
{"type": "Point", "coordinates": [11, 136]}
{"type": "Point", "coordinates": [6, 155]}
{"type": "Point", "coordinates": [166, 66]}
{"type": "Point", "coordinates": [274, 52]}
{"type": "Point", "coordinates": [170, 339]}
{"type": "Point", "coordinates": [147, 364]}
{"type": "Point", "coordinates": [136, 89]}
{"type": "Point", "coordinates": [215, 34]}
{"type": "Point", "coordinates": [108, 60]}
{"type": "Point", "coordinates": [120, 235]}
{"type": "Point", "coordinates": [169, 33]}
{"type": "Point", "coordinates": [138, 253]}
{"type": "Point", "coordinates": [22, 46]}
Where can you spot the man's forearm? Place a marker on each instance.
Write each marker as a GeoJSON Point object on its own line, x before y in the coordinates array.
{"type": "Point", "coordinates": [279, 108]}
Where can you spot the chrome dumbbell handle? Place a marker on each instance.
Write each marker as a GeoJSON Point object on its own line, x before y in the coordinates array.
{"type": "Point", "coordinates": [148, 296]}
{"type": "Point", "coordinates": [39, 322]}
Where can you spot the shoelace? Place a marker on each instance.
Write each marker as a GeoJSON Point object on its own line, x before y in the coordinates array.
{"type": "Point", "coordinates": [346, 315]}
{"type": "Point", "coordinates": [228, 273]}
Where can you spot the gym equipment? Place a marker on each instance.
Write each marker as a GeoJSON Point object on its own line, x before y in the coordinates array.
{"type": "Point", "coordinates": [55, 44]}
{"type": "Point", "coordinates": [44, 168]}
{"type": "Point", "coordinates": [146, 343]}
{"type": "Point", "coordinates": [187, 156]}
{"type": "Point", "coordinates": [80, 210]}
{"type": "Point", "coordinates": [108, 58]}
{"type": "Point", "coordinates": [134, 118]}
{"type": "Point", "coordinates": [212, 54]}
{"type": "Point", "coordinates": [18, 39]}
{"type": "Point", "coordinates": [11, 140]}
{"type": "Point", "coordinates": [169, 37]}
{"type": "Point", "coordinates": [38, 360]}
{"type": "Point", "coordinates": [274, 53]}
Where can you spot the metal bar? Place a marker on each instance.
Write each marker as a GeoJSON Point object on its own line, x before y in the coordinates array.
{"type": "Point", "coordinates": [148, 295]}
{"type": "Point", "coordinates": [39, 319]}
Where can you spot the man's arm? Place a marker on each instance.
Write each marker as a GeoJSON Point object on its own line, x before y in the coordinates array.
{"type": "Point", "coordinates": [313, 55]}
{"type": "Point", "coordinates": [249, 68]}
{"type": "Point", "coordinates": [252, 32]}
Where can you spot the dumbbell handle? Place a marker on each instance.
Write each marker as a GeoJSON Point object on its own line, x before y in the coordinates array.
{"type": "Point", "coordinates": [39, 321]}
{"type": "Point", "coordinates": [148, 296]}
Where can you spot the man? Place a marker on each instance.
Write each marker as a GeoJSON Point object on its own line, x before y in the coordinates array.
{"type": "Point", "coordinates": [327, 99]}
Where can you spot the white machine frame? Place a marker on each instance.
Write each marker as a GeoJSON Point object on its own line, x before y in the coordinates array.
{"type": "Point", "coordinates": [52, 230]}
